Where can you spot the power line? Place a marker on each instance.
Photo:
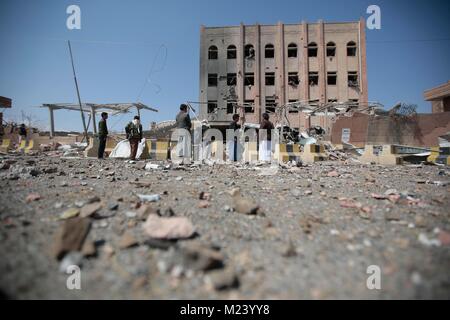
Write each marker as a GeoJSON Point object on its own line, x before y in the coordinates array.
{"type": "Point", "coordinates": [408, 40]}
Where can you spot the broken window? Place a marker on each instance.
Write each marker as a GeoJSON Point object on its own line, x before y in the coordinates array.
{"type": "Point", "coordinates": [231, 52]}
{"type": "Point", "coordinates": [269, 51]}
{"type": "Point", "coordinates": [354, 101]}
{"type": "Point", "coordinates": [332, 100]}
{"type": "Point", "coordinates": [249, 51]}
{"type": "Point", "coordinates": [293, 79]}
{"type": "Point", "coordinates": [352, 79]}
{"type": "Point", "coordinates": [331, 49]}
{"type": "Point", "coordinates": [213, 53]}
{"type": "Point", "coordinates": [292, 50]}
{"type": "Point", "coordinates": [312, 49]}
{"type": "Point", "coordinates": [212, 106]}
{"type": "Point", "coordinates": [313, 78]}
{"type": "Point", "coordinates": [293, 109]}
{"type": "Point", "coordinates": [331, 78]}
{"type": "Point", "coordinates": [314, 103]}
{"type": "Point", "coordinates": [249, 106]}
{"type": "Point", "coordinates": [270, 78]}
{"type": "Point", "coordinates": [351, 49]}
{"type": "Point", "coordinates": [231, 79]}
{"type": "Point", "coordinates": [270, 105]}
{"type": "Point", "coordinates": [212, 79]}
{"type": "Point", "coordinates": [230, 107]}
{"type": "Point", "coordinates": [249, 79]}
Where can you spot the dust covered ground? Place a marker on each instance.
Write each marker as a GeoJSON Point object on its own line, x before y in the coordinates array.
{"type": "Point", "coordinates": [316, 231]}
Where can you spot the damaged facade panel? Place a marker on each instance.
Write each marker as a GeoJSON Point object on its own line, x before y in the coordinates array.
{"type": "Point", "coordinates": [423, 130]}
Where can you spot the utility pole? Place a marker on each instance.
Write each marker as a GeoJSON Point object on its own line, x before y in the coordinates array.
{"type": "Point", "coordinates": [78, 93]}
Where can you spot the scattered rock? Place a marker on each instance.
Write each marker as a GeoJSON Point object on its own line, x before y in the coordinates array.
{"type": "Point", "coordinates": [70, 213]}
{"type": "Point", "coordinates": [222, 280]}
{"type": "Point", "coordinates": [149, 198]}
{"type": "Point", "coordinates": [444, 238]}
{"type": "Point", "coordinates": [89, 209]}
{"type": "Point", "coordinates": [71, 236]}
{"type": "Point", "coordinates": [204, 196]}
{"type": "Point", "coordinates": [200, 258]}
{"type": "Point", "coordinates": [168, 228]}
{"type": "Point", "coordinates": [33, 197]}
{"type": "Point", "coordinates": [289, 250]}
{"type": "Point", "coordinates": [160, 244]}
{"type": "Point", "coordinates": [203, 204]}
{"type": "Point", "coordinates": [89, 249]}
{"type": "Point", "coordinates": [127, 240]}
{"type": "Point", "coordinates": [71, 259]}
{"type": "Point", "coordinates": [333, 174]}
{"type": "Point", "coordinates": [392, 216]}
{"type": "Point", "coordinates": [423, 239]}
{"type": "Point", "coordinates": [168, 212]}
{"type": "Point", "coordinates": [245, 206]}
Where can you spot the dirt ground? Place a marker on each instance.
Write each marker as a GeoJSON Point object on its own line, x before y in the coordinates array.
{"type": "Point", "coordinates": [317, 230]}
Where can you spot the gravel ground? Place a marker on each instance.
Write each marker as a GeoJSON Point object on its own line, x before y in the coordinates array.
{"type": "Point", "coordinates": [318, 228]}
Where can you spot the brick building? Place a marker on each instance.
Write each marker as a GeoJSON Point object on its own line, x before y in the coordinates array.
{"type": "Point", "coordinates": [439, 97]}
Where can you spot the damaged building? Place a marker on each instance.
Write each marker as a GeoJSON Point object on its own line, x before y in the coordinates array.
{"type": "Point", "coordinates": [261, 67]}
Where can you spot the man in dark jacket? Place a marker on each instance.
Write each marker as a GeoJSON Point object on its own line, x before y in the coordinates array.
{"type": "Point", "coordinates": [102, 135]}
{"type": "Point", "coordinates": [232, 145]}
{"type": "Point", "coordinates": [265, 146]}
{"type": "Point", "coordinates": [183, 119]}
{"type": "Point", "coordinates": [134, 135]}
{"type": "Point", "coordinates": [22, 133]}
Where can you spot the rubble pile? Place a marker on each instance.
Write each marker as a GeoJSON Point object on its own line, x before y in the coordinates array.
{"type": "Point", "coordinates": [149, 229]}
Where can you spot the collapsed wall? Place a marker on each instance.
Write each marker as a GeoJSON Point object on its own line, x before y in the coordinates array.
{"type": "Point", "coordinates": [421, 130]}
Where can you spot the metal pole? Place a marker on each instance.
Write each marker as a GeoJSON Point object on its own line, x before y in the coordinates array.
{"type": "Point", "coordinates": [78, 92]}
{"type": "Point", "coordinates": [52, 122]}
{"type": "Point", "coordinates": [138, 111]}
{"type": "Point", "coordinates": [94, 124]}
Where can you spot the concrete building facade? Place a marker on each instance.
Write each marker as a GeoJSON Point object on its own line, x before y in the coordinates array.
{"type": "Point", "coordinates": [439, 97]}
{"type": "Point", "coordinates": [263, 66]}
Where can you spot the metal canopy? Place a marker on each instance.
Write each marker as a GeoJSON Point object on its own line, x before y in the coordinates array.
{"type": "Point", "coordinates": [93, 108]}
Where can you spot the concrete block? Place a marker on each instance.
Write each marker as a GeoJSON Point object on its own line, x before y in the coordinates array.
{"type": "Point", "coordinates": [313, 153]}
{"type": "Point", "coordinates": [287, 152]}
{"type": "Point", "coordinates": [388, 156]}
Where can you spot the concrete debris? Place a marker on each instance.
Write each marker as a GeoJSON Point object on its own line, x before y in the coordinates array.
{"type": "Point", "coordinates": [33, 197]}
{"type": "Point", "coordinates": [71, 236]}
{"type": "Point", "coordinates": [70, 213]}
{"type": "Point", "coordinates": [127, 240]}
{"type": "Point", "coordinates": [168, 228]}
{"type": "Point", "coordinates": [222, 280]}
{"type": "Point", "coordinates": [149, 198]}
{"type": "Point", "coordinates": [245, 205]}
{"type": "Point", "coordinates": [423, 239]}
{"type": "Point", "coordinates": [191, 258]}
{"type": "Point", "coordinates": [90, 209]}
{"type": "Point", "coordinates": [70, 260]}
{"type": "Point", "coordinates": [173, 218]}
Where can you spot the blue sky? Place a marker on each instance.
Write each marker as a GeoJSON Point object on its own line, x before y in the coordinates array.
{"type": "Point", "coordinates": [119, 41]}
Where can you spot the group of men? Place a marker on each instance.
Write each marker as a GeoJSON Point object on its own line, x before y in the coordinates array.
{"type": "Point", "coordinates": [133, 132]}
{"type": "Point", "coordinates": [183, 121]}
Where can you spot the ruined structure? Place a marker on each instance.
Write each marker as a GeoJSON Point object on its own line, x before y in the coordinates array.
{"type": "Point", "coordinates": [259, 68]}
{"type": "Point", "coordinates": [439, 97]}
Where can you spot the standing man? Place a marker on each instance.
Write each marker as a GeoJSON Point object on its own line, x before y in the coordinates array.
{"type": "Point", "coordinates": [102, 135]}
{"type": "Point", "coordinates": [232, 145]}
{"type": "Point", "coordinates": [134, 135]}
{"type": "Point", "coordinates": [22, 133]}
{"type": "Point", "coordinates": [183, 121]}
{"type": "Point", "coordinates": [265, 145]}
